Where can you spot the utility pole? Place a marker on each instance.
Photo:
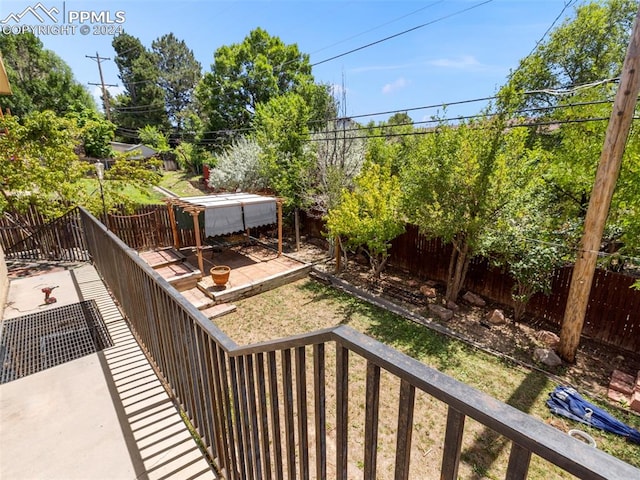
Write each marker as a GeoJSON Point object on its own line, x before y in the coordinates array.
{"type": "Point", "coordinates": [105, 95]}
{"type": "Point", "coordinates": [605, 183]}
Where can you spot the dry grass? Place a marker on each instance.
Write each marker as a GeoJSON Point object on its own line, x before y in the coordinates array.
{"type": "Point", "coordinates": [306, 305]}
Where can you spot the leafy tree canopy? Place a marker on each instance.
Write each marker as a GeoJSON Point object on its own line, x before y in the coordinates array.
{"type": "Point", "coordinates": [586, 48]}
{"type": "Point", "coordinates": [40, 79]}
{"type": "Point", "coordinates": [250, 73]}
{"type": "Point", "coordinates": [38, 162]}
{"type": "Point", "coordinates": [459, 179]}
{"type": "Point", "coordinates": [370, 215]}
{"type": "Point", "coordinates": [96, 132]}
{"type": "Point", "coordinates": [281, 130]}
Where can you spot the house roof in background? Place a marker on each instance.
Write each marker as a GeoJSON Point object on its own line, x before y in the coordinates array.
{"type": "Point", "coordinates": [145, 152]}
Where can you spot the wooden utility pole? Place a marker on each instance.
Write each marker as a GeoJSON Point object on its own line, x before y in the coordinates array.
{"type": "Point", "coordinates": [606, 178]}
{"type": "Point", "coordinates": [105, 94]}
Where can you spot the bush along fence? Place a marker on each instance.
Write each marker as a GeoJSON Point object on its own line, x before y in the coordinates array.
{"type": "Point", "coordinates": [613, 313]}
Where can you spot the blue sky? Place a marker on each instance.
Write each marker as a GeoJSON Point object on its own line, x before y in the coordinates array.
{"type": "Point", "coordinates": [465, 56]}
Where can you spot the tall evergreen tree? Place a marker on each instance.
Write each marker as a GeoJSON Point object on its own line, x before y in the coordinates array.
{"type": "Point", "coordinates": [179, 73]}
{"type": "Point", "coordinates": [142, 102]}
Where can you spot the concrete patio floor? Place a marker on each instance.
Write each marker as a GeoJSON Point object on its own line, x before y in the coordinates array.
{"type": "Point", "coordinates": [102, 416]}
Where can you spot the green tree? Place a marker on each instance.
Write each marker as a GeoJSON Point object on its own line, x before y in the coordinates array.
{"type": "Point", "coordinates": [524, 243]}
{"type": "Point", "coordinates": [154, 138]}
{"type": "Point", "coordinates": [96, 132]}
{"type": "Point", "coordinates": [192, 157]}
{"type": "Point", "coordinates": [247, 74]}
{"type": "Point", "coordinates": [179, 73]}
{"type": "Point", "coordinates": [586, 48]}
{"type": "Point", "coordinates": [281, 130]}
{"type": "Point", "coordinates": [573, 156]}
{"type": "Point", "coordinates": [459, 179]}
{"type": "Point", "coordinates": [40, 166]}
{"type": "Point", "coordinates": [40, 80]}
{"type": "Point", "coordinates": [142, 102]}
{"type": "Point", "coordinates": [370, 215]}
{"type": "Point", "coordinates": [38, 162]}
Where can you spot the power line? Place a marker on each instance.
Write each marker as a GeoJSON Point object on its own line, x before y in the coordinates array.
{"type": "Point", "coordinates": [105, 95]}
{"type": "Point", "coordinates": [374, 28]}
{"type": "Point", "coordinates": [402, 33]}
{"type": "Point", "coordinates": [566, 5]}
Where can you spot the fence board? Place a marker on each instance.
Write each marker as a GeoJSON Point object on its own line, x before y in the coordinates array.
{"type": "Point", "coordinates": [613, 310]}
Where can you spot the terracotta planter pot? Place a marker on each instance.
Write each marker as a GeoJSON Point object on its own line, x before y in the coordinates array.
{"type": "Point", "coordinates": [220, 274]}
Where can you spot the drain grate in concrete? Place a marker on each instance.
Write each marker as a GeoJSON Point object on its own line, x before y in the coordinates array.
{"type": "Point", "coordinates": [42, 340]}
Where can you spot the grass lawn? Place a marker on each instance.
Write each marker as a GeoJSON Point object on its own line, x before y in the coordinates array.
{"type": "Point", "coordinates": [183, 184]}
{"type": "Point", "coordinates": [134, 195]}
{"type": "Point", "coordinates": [307, 305]}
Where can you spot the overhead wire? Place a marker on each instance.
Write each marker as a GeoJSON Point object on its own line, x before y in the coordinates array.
{"type": "Point", "coordinates": [376, 27]}
{"type": "Point", "coordinates": [404, 32]}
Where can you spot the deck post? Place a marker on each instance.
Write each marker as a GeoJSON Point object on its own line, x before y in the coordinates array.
{"type": "Point", "coordinates": [174, 226]}
{"type": "Point", "coordinates": [279, 205]}
{"type": "Point", "coordinates": [196, 226]}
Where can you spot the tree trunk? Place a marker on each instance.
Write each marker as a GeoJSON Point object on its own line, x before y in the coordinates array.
{"type": "Point", "coordinates": [521, 297]}
{"type": "Point", "coordinates": [378, 266]}
{"type": "Point", "coordinates": [458, 266]}
{"type": "Point", "coordinates": [451, 270]}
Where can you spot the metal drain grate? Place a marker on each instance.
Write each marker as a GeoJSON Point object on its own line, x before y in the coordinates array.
{"type": "Point", "coordinates": [42, 340]}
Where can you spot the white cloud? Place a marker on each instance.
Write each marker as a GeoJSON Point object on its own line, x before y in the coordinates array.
{"type": "Point", "coordinates": [395, 85]}
{"type": "Point", "coordinates": [463, 62]}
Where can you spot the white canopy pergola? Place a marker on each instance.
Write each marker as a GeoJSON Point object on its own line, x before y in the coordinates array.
{"type": "Point", "coordinates": [228, 213]}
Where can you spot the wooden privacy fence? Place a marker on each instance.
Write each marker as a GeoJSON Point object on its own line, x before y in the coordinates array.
{"type": "Point", "coordinates": [16, 227]}
{"type": "Point", "coordinates": [149, 226]}
{"type": "Point", "coordinates": [613, 312]}
{"type": "Point", "coordinates": [285, 408]}
{"type": "Point", "coordinates": [61, 239]}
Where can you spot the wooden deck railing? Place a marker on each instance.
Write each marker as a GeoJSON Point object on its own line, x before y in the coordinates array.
{"type": "Point", "coordinates": [281, 409]}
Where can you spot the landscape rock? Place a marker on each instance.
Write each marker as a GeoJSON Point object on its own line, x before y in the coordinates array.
{"type": "Point", "coordinates": [411, 283]}
{"type": "Point", "coordinates": [547, 357]}
{"type": "Point", "coordinates": [496, 317]}
{"type": "Point", "coordinates": [548, 339]}
{"type": "Point", "coordinates": [474, 299]}
{"type": "Point", "coordinates": [635, 402]}
{"type": "Point", "coordinates": [360, 259]}
{"type": "Point", "coordinates": [451, 305]}
{"type": "Point", "coordinates": [428, 292]}
{"type": "Point", "coordinates": [441, 312]}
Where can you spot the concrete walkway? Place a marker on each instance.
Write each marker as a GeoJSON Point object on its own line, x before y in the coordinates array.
{"type": "Point", "coordinates": [103, 416]}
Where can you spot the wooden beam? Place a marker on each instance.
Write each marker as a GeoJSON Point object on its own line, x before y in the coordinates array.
{"type": "Point", "coordinates": [279, 206]}
{"type": "Point", "coordinates": [174, 226]}
{"type": "Point", "coordinates": [600, 201]}
{"type": "Point", "coordinates": [196, 226]}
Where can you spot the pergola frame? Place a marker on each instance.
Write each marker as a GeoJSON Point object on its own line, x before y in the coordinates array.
{"type": "Point", "coordinates": [194, 209]}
